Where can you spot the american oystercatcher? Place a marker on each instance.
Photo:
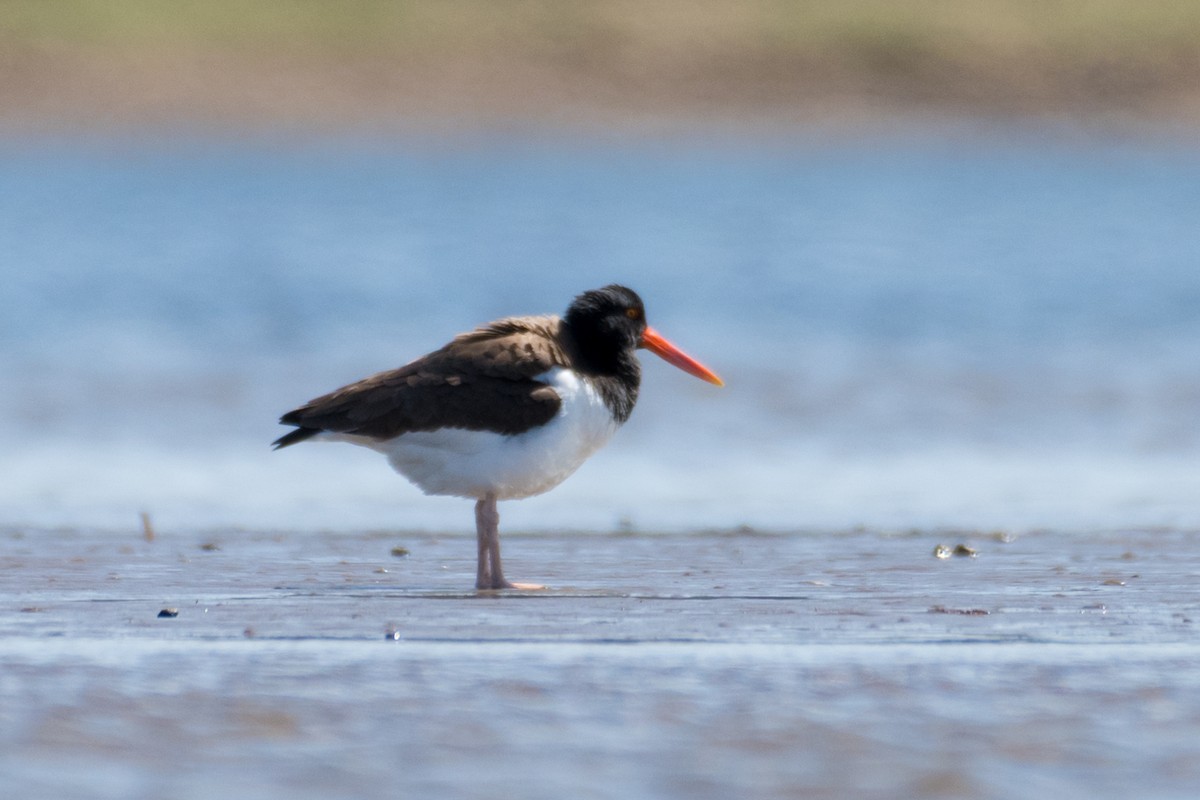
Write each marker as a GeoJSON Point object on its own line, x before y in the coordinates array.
{"type": "Point", "coordinates": [506, 411]}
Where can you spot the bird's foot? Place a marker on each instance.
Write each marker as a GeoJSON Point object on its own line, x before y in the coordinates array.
{"type": "Point", "coordinates": [503, 584]}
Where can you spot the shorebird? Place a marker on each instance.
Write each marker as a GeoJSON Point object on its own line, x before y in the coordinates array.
{"type": "Point", "coordinates": [506, 411]}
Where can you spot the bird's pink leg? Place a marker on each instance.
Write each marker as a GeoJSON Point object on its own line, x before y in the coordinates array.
{"type": "Point", "coordinates": [490, 572]}
{"type": "Point", "coordinates": [483, 570]}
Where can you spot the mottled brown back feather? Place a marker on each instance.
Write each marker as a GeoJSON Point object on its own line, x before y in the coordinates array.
{"type": "Point", "coordinates": [482, 380]}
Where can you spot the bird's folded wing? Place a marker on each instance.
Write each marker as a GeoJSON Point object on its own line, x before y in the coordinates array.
{"type": "Point", "coordinates": [483, 380]}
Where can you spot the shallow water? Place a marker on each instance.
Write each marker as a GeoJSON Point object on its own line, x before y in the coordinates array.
{"type": "Point", "coordinates": [915, 330]}
{"type": "Point", "coordinates": [703, 665]}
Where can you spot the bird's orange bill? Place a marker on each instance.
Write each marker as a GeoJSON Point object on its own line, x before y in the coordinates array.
{"type": "Point", "coordinates": [653, 341]}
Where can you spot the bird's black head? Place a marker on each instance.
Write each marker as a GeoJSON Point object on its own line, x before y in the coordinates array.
{"type": "Point", "coordinates": [607, 325]}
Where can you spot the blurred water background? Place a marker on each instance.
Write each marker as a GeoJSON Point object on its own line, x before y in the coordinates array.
{"type": "Point", "coordinates": [945, 329]}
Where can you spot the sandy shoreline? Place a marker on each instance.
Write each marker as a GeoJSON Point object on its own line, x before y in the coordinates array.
{"type": "Point", "coordinates": [998, 572]}
{"type": "Point", "coordinates": [849, 665]}
{"type": "Point", "coordinates": [82, 65]}
{"type": "Point", "coordinates": [79, 94]}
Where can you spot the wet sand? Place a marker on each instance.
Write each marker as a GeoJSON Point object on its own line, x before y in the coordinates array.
{"type": "Point", "coordinates": [703, 665]}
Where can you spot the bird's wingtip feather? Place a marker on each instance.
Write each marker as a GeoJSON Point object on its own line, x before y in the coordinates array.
{"type": "Point", "coordinates": [293, 437]}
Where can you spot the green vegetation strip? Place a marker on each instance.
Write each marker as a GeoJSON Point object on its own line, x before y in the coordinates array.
{"type": "Point", "coordinates": [854, 30]}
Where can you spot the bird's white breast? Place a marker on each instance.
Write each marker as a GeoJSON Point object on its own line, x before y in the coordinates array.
{"type": "Point", "coordinates": [464, 463]}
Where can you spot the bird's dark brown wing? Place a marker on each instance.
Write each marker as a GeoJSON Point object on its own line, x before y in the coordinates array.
{"type": "Point", "coordinates": [483, 380]}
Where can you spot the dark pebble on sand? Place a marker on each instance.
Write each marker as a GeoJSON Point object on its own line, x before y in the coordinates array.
{"type": "Point", "coordinates": [168, 613]}
{"type": "Point", "coordinates": [399, 552]}
{"type": "Point", "coordinates": [966, 612]}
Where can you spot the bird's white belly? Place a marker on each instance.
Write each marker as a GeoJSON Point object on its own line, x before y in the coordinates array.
{"type": "Point", "coordinates": [465, 463]}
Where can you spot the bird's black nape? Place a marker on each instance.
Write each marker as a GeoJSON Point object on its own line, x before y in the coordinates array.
{"type": "Point", "coordinates": [607, 325]}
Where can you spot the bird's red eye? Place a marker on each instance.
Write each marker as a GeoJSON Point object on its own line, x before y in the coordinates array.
{"type": "Point", "coordinates": [633, 313]}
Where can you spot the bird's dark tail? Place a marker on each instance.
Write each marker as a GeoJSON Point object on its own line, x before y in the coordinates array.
{"type": "Point", "coordinates": [292, 437]}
